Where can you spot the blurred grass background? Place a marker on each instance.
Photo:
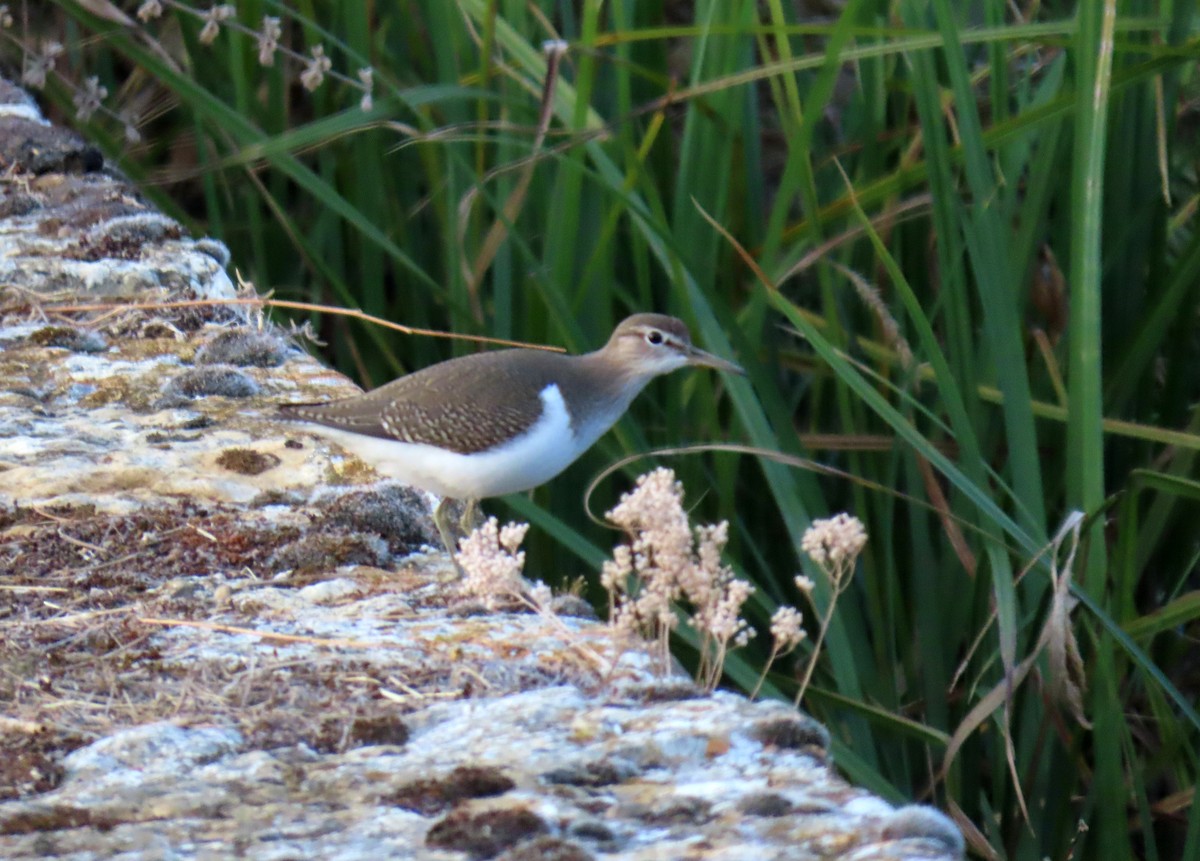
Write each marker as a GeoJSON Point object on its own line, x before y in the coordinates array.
{"type": "Point", "coordinates": [976, 291]}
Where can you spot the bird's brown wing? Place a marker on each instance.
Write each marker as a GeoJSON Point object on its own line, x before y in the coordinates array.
{"type": "Point", "coordinates": [463, 405]}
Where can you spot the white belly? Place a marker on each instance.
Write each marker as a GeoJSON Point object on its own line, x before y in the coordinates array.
{"type": "Point", "coordinates": [534, 458]}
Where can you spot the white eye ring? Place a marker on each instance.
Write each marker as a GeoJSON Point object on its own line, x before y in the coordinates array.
{"type": "Point", "coordinates": [654, 337]}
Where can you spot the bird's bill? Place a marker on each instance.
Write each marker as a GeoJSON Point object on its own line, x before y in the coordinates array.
{"type": "Point", "coordinates": [696, 356]}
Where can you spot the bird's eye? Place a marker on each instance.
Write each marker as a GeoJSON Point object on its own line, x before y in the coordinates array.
{"type": "Point", "coordinates": [654, 337]}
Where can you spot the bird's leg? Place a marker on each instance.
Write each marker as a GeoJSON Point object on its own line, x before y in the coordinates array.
{"type": "Point", "coordinates": [450, 512]}
{"type": "Point", "coordinates": [443, 517]}
{"type": "Point", "coordinates": [471, 517]}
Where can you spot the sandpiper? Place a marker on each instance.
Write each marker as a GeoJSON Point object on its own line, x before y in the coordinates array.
{"type": "Point", "coordinates": [504, 421]}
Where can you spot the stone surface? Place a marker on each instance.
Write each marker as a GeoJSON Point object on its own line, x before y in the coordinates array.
{"type": "Point", "coordinates": [218, 639]}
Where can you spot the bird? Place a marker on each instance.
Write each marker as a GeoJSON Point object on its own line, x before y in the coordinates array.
{"type": "Point", "coordinates": [502, 421]}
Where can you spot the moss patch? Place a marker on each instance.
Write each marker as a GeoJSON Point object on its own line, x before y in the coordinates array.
{"type": "Point", "coordinates": [437, 794]}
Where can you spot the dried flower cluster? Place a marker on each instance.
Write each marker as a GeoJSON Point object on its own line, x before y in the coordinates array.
{"type": "Point", "coordinates": [787, 629]}
{"type": "Point", "coordinates": [492, 561]}
{"type": "Point", "coordinates": [834, 544]}
{"type": "Point", "coordinates": [149, 10]}
{"type": "Point", "coordinates": [366, 77]}
{"type": "Point", "coordinates": [787, 632]}
{"type": "Point", "coordinates": [670, 571]}
{"type": "Point", "coordinates": [315, 68]}
{"type": "Point", "coordinates": [667, 564]}
{"type": "Point", "coordinates": [37, 66]}
{"type": "Point", "coordinates": [213, 18]}
{"type": "Point", "coordinates": [89, 98]}
{"type": "Point", "coordinates": [268, 40]}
